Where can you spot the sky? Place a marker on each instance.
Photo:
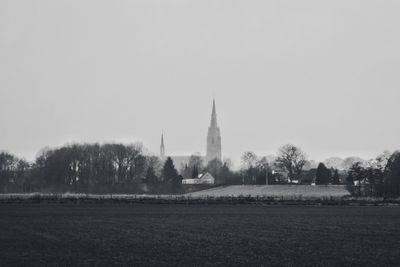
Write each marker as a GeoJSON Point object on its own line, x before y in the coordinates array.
{"type": "Point", "coordinates": [322, 75]}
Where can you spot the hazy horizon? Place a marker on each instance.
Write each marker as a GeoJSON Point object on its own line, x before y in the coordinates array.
{"type": "Point", "coordinates": [323, 76]}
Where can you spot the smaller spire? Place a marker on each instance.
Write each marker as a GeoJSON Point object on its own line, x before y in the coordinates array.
{"type": "Point", "coordinates": [162, 147]}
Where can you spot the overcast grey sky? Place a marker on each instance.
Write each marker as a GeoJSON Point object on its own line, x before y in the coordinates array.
{"type": "Point", "coordinates": [323, 75]}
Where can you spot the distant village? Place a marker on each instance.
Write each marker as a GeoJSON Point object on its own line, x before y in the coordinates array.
{"type": "Point", "coordinates": [290, 166]}
{"type": "Point", "coordinates": [120, 168]}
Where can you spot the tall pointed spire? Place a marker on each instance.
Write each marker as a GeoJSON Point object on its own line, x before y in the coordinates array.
{"type": "Point", "coordinates": [213, 138]}
{"type": "Point", "coordinates": [213, 116]}
{"type": "Point", "coordinates": [162, 148]}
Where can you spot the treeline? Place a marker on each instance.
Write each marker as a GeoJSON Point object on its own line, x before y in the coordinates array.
{"type": "Point", "coordinates": [119, 168]}
{"type": "Point", "coordinates": [377, 177]}
{"type": "Point", "coordinates": [89, 168]}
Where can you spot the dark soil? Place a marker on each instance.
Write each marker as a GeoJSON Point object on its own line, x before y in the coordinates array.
{"type": "Point", "coordinates": [194, 235]}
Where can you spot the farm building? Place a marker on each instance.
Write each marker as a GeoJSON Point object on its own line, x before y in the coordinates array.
{"type": "Point", "coordinates": [205, 178]}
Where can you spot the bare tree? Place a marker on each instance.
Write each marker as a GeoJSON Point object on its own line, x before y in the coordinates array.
{"type": "Point", "coordinates": [292, 159]}
{"type": "Point", "coordinates": [249, 162]}
{"type": "Point", "coordinates": [254, 168]}
{"type": "Point", "coordinates": [249, 159]}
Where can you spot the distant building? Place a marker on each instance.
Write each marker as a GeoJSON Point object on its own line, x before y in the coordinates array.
{"type": "Point", "coordinates": [205, 178]}
{"type": "Point", "coordinates": [181, 161]}
{"type": "Point", "coordinates": [213, 138]}
{"type": "Point", "coordinates": [162, 148]}
{"type": "Point", "coordinates": [213, 145]}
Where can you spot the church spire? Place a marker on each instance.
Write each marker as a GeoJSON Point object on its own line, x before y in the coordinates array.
{"type": "Point", "coordinates": [162, 147]}
{"type": "Point", "coordinates": [213, 116]}
{"type": "Point", "coordinates": [213, 138]}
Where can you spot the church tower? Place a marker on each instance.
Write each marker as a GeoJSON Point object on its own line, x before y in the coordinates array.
{"type": "Point", "coordinates": [162, 148]}
{"type": "Point", "coordinates": [213, 138]}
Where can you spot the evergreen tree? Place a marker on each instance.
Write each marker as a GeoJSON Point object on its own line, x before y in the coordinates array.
{"type": "Point", "coordinates": [336, 179]}
{"type": "Point", "coordinates": [186, 172]}
{"type": "Point", "coordinates": [350, 179]}
{"type": "Point", "coordinates": [392, 175]}
{"type": "Point", "coordinates": [323, 175]}
{"type": "Point", "coordinates": [172, 181]}
{"type": "Point", "coordinates": [169, 172]}
{"type": "Point", "coordinates": [195, 172]}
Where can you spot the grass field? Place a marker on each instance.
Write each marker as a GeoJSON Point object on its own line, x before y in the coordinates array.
{"type": "Point", "coordinates": [188, 235]}
{"type": "Point", "coordinates": [285, 192]}
{"type": "Point", "coordinates": [276, 191]}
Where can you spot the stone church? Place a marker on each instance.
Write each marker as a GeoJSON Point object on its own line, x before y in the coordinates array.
{"type": "Point", "coordinates": [214, 148]}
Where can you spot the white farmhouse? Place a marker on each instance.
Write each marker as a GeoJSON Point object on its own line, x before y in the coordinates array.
{"type": "Point", "coordinates": [205, 178]}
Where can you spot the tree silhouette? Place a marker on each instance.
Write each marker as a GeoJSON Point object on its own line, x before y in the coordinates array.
{"type": "Point", "coordinates": [357, 172]}
{"type": "Point", "coordinates": [323, 175]}
{"type": "Point", "coordinates": [151, 178]}
{"type": "Point", "coordinates": [335, 179]}
{"type": "Point", "coordinates": [169, 172]}
{"type": "Point", "coordinates": [392, 175]}
{"type": "Point", "coordinates": [195, 172]}
{"type": "Point", "coordinates": [292, 159]}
